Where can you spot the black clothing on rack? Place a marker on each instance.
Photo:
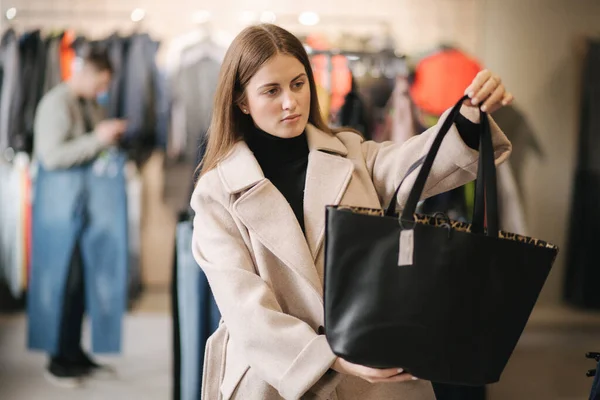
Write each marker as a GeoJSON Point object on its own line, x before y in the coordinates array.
{"type": "Point", "coordinates": [32, 59]}
{"type": "Point", "coordinates": [354, 113]}
{"type": "Point", "coordinates": [583, 275]}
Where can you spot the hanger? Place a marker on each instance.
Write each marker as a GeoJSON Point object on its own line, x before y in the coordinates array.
{"type": "Point", "coordinates": [206, 47]}
{"type": "Point", "coordinates": [593, 356]}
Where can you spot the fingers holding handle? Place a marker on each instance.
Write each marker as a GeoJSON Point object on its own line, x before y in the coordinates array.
{"type": "Point", "coordinates": [488, 92]}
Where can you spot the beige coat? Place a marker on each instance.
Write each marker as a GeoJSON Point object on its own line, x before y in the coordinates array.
{"type": "Point", "coordinates": [267, 276]}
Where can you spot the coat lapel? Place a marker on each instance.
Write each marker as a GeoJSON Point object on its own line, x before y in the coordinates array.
{"type": "Point", "coordinates": [327, 178]}
{"type": "Point", "coordinates": [266, 213]}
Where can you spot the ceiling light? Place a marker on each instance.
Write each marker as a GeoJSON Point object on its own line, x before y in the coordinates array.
{"type": "Point", "coordinates": [268, 17]}
{"type": "Point", "coordinates": [309, 18]}
{"type": "Point", "coordinates": [137, 15]}
{"type": "Point", "coordinates": [248, 17]}
{"type": "Point", "coordinates": [201, 16]}
{"type": "Point", "coordinates": [11, 13]}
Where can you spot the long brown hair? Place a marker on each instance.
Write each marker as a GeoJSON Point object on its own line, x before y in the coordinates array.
{"type": "Point", "coordinates": [252, 48]}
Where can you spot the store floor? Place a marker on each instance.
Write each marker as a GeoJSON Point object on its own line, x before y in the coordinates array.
{"type": "Point", "coordinates": [548, 364]}
{"type": "Point", "coordinates": [143, 370]}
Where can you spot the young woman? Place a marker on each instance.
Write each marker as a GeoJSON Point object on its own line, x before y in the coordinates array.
{"type": "Point", "coordinates": [271, 167]}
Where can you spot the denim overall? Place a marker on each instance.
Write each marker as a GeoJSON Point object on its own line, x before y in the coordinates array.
{"type": "Point", "coordinates": [85, 206]}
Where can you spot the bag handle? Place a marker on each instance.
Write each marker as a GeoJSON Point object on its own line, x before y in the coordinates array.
{"type": "Point", "coordinates": [488, 196]}
{"type": "Point", "coordinates": [486, 186]}
{"type": "Point", "coordinates": [391, 209]}
{"type": "Point", "coordinates": [486, 177]}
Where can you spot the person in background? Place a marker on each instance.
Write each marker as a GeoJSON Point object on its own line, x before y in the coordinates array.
{"type": "Point", "coordinates": [271, 167]}
{"type": "Point", "coordinates": [69, 132]}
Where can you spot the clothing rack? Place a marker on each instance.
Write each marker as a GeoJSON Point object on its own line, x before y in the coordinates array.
{"type": "Point", "coordinates": [340, 25]}
{"type": "Point", "coordinates": [80, 20]}
{"type": "Point", "coordinates": [386, 56]}
{"type": "Point", "coordinates": [53, 12]}
{"type": "Point", "coordinates": [389, 53]}
{"type": "Point", "coordinates": [334, 19]}
{"type": "Point", "coordinates": [14, 16]}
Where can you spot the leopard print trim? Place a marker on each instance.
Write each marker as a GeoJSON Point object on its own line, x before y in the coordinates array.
{"type": "Point", "coordinates": [455, 225]}
{"type": "Point", "coordinates": [375, 212]}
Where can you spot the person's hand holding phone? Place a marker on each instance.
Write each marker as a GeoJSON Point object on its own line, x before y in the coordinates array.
{"type": "Point", "coordinates": [109, 131]}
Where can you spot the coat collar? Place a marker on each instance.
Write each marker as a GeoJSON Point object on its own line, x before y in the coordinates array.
{"type": "Point", "coordinates": [265, 211]}
{"type": "Point", "coordinates": [240, 170]}
{"type": "Point", "coordinates": [319, 140]}
{"type": "Point", "coordinates": [94, 110]}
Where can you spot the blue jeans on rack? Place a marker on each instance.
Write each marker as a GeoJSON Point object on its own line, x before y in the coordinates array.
{"type": "Point", "coordinates": [84, 206]}
{"type": "Point", "coordinates": [198, 314]}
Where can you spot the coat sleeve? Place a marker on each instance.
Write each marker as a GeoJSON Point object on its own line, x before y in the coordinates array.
{"type": "Point", "coordinates": [454, 166]}
{"type": "Point", "coordinates": [283, 350]}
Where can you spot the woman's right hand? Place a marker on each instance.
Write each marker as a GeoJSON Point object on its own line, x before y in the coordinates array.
{"type": "Point", "coordinates": [372, 375]}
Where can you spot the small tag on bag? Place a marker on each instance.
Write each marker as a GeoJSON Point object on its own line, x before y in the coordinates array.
{"type": "Point", "coordinates": [407, 247]}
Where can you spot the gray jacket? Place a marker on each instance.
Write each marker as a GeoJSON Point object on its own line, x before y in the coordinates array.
{"type": "Point", "coordinates": [10, 91]}
{"type": "Point", "coordinates": [60, 139]}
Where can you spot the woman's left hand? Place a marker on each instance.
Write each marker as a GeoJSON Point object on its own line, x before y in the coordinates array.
{"type": "Point", "coordinates": [488, 92]}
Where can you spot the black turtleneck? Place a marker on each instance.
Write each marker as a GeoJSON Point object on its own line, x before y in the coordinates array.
{"type": "Point", "coordinates": [284, 163]}
{"type": "Point", "coordinates": [469, 131]}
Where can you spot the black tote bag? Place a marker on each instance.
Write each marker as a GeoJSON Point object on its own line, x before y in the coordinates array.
{"type": "Point", "coordinates": [444, 300]}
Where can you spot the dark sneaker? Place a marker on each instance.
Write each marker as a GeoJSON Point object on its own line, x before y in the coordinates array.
{"type": "Point", "coordinates": [64, 375]}
{"type": "Point", "coordinates": [86, 363]}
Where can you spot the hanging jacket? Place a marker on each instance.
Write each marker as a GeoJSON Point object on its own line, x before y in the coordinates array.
{"type": "Point", "coordinates": [67, 55]}
{"type": "Point", "coordinates": [52, 75]}
{"type": "Point", "coordinates": [353, 113]}
{"type": "Point", "coordinates": [193, 86]}
{"type": "Point", "coordinates": [32, 66]}
{"type": "Point", "coordinates": [115, 46]}
{"type": "Point", "coordinates": [583, 274]}
{"type": "Point", "coordinates": [11, 91]}
{"type": "Point", "coordinates": [139, 97]}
